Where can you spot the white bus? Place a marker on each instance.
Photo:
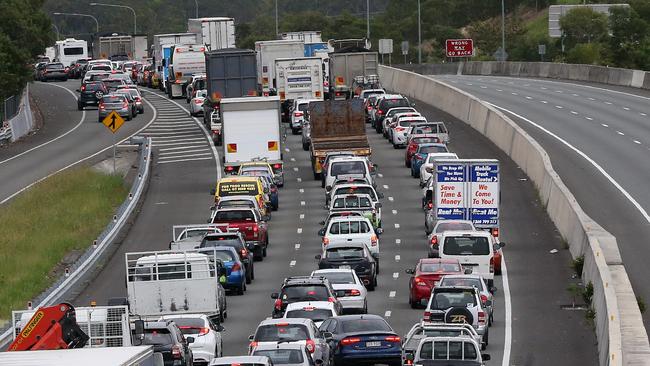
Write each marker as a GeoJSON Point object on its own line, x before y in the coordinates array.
{"type": "Point", "coordinates": [70, 50]}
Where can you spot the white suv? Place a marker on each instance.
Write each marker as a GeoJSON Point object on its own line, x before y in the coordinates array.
{"type": "Point", "coordinates": [207, 337]}
{"type": "Point", "coordinates": [474, 249]}
{"type": "Point", "coordinates": [356, 229]}
{"type": "Point", "coordinates": [399, 130]}
{"type": "Point", "coordinates": [348, 166]}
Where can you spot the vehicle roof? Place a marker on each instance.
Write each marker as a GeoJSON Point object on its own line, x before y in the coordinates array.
{"type": "Point", "coordinates": [455, 288]}
{"type": "Point", "coordinates": [331, 270]}
{"type": "Point", "coordinates": [315, 304]}
{"type": "Point", "coordinates": [298, 280]}
{"type": "Point", "coordinates": [359, 316]}
{"type": "Point", "coordinates": [171, 257]}
{"type": "Point", "coordinates": [346, 218]}
{"type": "Point", "coordinates": [238, 198]}
{"type": "Point", "coordinates": [438, 260]}
{"type": "Point", "coordinates": [272, 321]}
{"type": "Point", "coordinates": [466, 233]}
{"type": "Point", "coordinates": [184, 315]}
{"type": "Point", "coordinates": [237, 178]}
{"type": "Point", "coordinates": [213, 235]}
{"type": "Point", "coordinates": [442, 154]}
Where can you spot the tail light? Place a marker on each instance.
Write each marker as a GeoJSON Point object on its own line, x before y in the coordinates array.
{"type": "Point", "coordinates": [125, 104]}
{"type": "Point", "coordinates": [326, 241]}
{"type": "Point", "coordinates": [256, 230]}
{"type": "Point", "coordinates": [102, 106]}
{"type": "Point", "coordinates": [399, 129]}
{"type": "Point", "coordinates": [484, 299]}
{"type": "Point", "coordinates": [427, 315]}
{"type": "Point", "coordinates": [176, 352]}
{"type": "Point", "coordinates": [430, 206]}
{"type": "Point", "coordinates": [298, 114]}
{"type": "Point", "coordinates": [230, 168]}
{"type": "Point", "coordinates": [311, 345]}
{"type": "Point", "coordinates": [350, 340]}
{"type": "Point", "coordinates": [420, 282]}
{"type": "Point", "coordinates": [380, 112]}
{"type": "Point", "coordinates": [419, 157]}
{"type": "Point", "coordinates": [492, 265]}
{"type": "Point", "coordinates": [67, 69]}
{"type": "Point", "coordinates": [236, 267]}
{"type": "Point", "coordinates": [198, 101]}
{"type": "Point", "coordinates": [393, 339]}
{"type": "Point", "coordinates": [434, 238]}
{"type": "Point", "coordinates": [495, 232]}
{"type": "Point", "coordinates": [373, 240]}
{"type": "Point", "coordinates": [331, 299]}
{"type": "Point", "coordinates": [252, 345]}
{"type": "Point", "coordinates": [277, 166]}
{"type": "Point", "coordinates": [353, 292]}
{"type": "Point", "coordinates": [83, 88]}
{"type": "Point", "coordinates": [278, 304]}
{"type": "Point", "coordinates": [481, 317]}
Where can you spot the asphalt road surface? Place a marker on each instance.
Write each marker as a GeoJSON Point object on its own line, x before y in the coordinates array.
{"type": "Point", "coordinates": [606, 165]}
{"type": "Point", "coordinates": [538, 331]}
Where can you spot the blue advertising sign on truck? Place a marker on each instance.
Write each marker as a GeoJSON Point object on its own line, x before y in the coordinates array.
{"type": "Point", "coordinates": [467, 189]}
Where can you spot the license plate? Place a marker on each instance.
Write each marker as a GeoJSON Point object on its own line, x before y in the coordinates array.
{"type": "Point", "coordinates": [345, 266]}
{"type": "Point", "coordinates": [373, 344]}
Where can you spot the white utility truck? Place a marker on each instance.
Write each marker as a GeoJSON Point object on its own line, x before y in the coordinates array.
{"type": "Point", "coordinates": [185, 61]}
{"type": "Point", "coordinates": [299, 78]}
{"type": "Point", "coordinates": [215, 33]}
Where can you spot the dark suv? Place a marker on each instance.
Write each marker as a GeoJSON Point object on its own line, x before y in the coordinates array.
{"type": "Point", "coordinates": [91, 93]}
{"type": "Point", "coordinates": [303, 288]}
{"type": "Point", "coordinates": [235, 240]}
{"type": "Point", "coordinates": [385, 103]}
{"type": "Point", "coordinates": [166, 338]}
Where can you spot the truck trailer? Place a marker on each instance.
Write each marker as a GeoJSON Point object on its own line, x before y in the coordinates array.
{"type": "Point", "coordinates": [185, 61]}
{"type": "Point", "coordinates": [347, 64]}
{"type": "Point", "coordinates": [215, 33]}
{"type": "Point", "coordinates": [267, 53]}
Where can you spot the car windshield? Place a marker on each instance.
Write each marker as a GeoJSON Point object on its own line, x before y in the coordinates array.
{"type": "Point", "coordinates": [154, 337]}
{"type": "Point", "coordinates": [364, 325]}
{"type": "Point", "coordinates": [448, 299]}
{"type": "Point", "coordinates": [338, 278]}
{"type": "Point", "coordinates": [281, 356]}
{"type": "Point", "coordinates": [344, 253]}
{"type": "Point", "coordinates": [98, 77]}
{"type": "Point", "coordinates": [472, 282]}
{"type": "Point", "coordinates": [466, 245]}
{"type": "Point", "coordinates": [281, 332]}
{"type": "Point", "coordinates": [387, 104]}
{"type": "Point", "coordinates": [238, 189]}
{"type": "Point", "coordinates": [451, 226]}
{"type": "Point", "coordinates": [305, 292]}
{"type": "Point", "coordinates": [436, 267]}
{"type": "Point", "coordinates": [317, 315]}
{"type": "Point", "coordinates": [356, 190]}
{"type": "Point", "coordinates": [234, 215]}
{"type": "Point", "coordinates": [432, 149]}
{"type": "Point", "coordinates": [94, 86]}
{"type": "Point", "coordinates": [189, 325]}
{"type": "Point", "coordinates": [348, 167]}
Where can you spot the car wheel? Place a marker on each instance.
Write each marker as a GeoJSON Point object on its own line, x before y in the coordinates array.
{"type": "Point", "coordinates": [486, 337]}
{"type": "Point", "coordinates": [407, 163]}
{"type": "Point", "coordinates": [294, 131]}
{"type": "Point", "coordinates": [365, 307]}
{"type": "Point", "coordinates": [241, 289]}
{"type": "Point", "coordinates": [128, 118]}
{"type": "Point", "coordinates": [305, 146]}
{"type": "Point", "coordinates": [372, 284]}
{"type": "Point", "coordinates": [317, 177]}
{"type": "Point", "coordinates": [264, 250]}
{"type": "Point", "coordinates": [377, 266]}
{"type": "Point", "coordinates": [249, 277]}
{"type": "Point", "coordinates": [412, 303]}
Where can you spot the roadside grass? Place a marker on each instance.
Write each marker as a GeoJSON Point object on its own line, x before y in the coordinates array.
{"type": "Point", "coordinates": [62, 214]}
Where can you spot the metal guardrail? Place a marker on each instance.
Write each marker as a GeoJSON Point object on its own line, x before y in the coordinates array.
{"type": "Point", "coordinates": [93, 254]}
{"type": "Point", "coordinates": [5, 134]}
{"type": "Point", "coordinates": [11, 106]}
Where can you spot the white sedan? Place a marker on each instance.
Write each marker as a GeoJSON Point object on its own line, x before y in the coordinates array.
{"type": "Point", "coordinates": [196, 104]}
{"type": "Point", "coordinates": [349, 289]}
{"type": "Point", "coordinates": [207, 335]}
{"type": "Point", "coordinates": [318, 311]}
{"type": "Point", "coordinates": [428, 164]}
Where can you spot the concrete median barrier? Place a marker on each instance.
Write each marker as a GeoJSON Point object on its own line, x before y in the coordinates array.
{"type": "Point", "coordinates": [622, 338]}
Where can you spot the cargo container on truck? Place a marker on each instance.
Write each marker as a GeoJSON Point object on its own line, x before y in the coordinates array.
{"type": "Point", "coordinates": [339, 44]}
{"type": "Point", "coordinates": [347, 64]}
{"type": "Point", "coordinates": [184, 62]}
{"type": "Point", "coordinates": [70, 50]}
{"type": "Point", "coordinates": [312, 39]}
{"type": "Point", "coordinates": [215, 33]}
{"type": "Point", "coordinates": [267, 53]}
{"type": "Point", "coordinates": [114, 47]}
{"type": "Point", "coordinates": [230, 73]}
{"type": "Point", "coordinates": [121, 356]}
{"type": "Point", "coordinates": [251, 131]}
{"type": "Point", "coordinates": [324, 55]}
{"type": "Point", "coordinates": [139, 45]}
{"type": "Point", "coordinates": [299, 78]}
{"type": "Point", "coordinates": [336, 125]}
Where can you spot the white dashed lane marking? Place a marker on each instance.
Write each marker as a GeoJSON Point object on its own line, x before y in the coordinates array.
{"type": "Point", "coordinates": [394, 212]}
{"type": "Point", "coordinates": [302, 216]}
{"type": "Point", "coordinates": [396, 226]}
{"type": "Point", "coordinates": [620, 133]}
{"type": "Point", "coordinates": [292, 264]}
{"type": "Point", "coordinates": [392, 294]}
{"type": "Point", "coordinates": [589, 118]}
{"type": "Point", "coordinates": [299, 231]}
{"type": "Point", "coordinates": [395, 275]}
{"type": "Point", "coordinates": [397, 257]}
{"type": "Point", "coordinates": [387, 314]}
{"type": "Point", "coordinates": [637, 142]}
{"type": "Point", "coordinates": [604, 125]}
{"type": "Point", "coordinates": [559, 107]}
{"type": "Point", "coordinates": [385, 186]}
{"type": "Point", "coordinates": [297, 246]}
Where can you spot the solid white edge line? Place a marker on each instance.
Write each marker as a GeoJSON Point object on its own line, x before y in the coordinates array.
{"type": "Point", "coordinates": [182, 160]}
{"type": "Point", "coordinates": [507, 338]}
{"type": "Point", "coordinates": [81, 121]}
{"type": "Point", "coordinates": [634, 202]}
{"type": "Point", "coordinates": [155, 114]}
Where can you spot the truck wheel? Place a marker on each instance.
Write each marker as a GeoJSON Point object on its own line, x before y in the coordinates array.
{"type": "Point", "coordinates": [294, 131]}
{"type": "Point", "coordinates": [219, 140]}
{"type": "Point", "coordinates": [249, 277]}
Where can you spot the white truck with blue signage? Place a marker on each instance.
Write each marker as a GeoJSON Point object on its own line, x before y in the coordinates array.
{"type": "Point", "coordinates": [299, 78]}
{"type": "Point", "coordinates": [465, 189]}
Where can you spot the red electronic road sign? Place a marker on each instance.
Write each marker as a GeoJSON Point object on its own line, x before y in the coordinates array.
{"type": "Point", "coordinates": [460, 48]}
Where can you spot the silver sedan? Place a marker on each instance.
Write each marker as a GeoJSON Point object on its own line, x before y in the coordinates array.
{"type": "Point", "coordinates": [348, 288]}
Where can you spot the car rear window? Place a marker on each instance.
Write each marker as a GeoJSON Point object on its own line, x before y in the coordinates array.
{"type": "Point", "coordinates": [349, 227]}
{"type": "Point", "coordinates": [387, 104]}
{"type": "Point", "coordinates": [448, 299]}
{"type": "Point", "coordinates": [424, 140]}
{"type": "Point", "coordinates": [338, 277]}
{"type": "Point", "coordinates": [233, 203]}
{"type": "Point", "coordinates": [112, 83]}
{"type": "Point", "coordinates": [54, 66]}
{"type": "Point", "coordinates": [281, 332]}
{"type": "Point", "coordinates": [466, 245]}
{"type": "Point", "coordinates": [238, 188]}
{"type": "Point", "coordinates": [94, 86]}
{"type": "Point", "coordinates": [234, 215]}
{"type": "Point", "coordinates": [154, 337]}
{"type": "Point", "coordinates": [473, 282]}
{"type": "Point", "coordinates": [112, 99]}
{"type": "Point", "coordinates": [441, 332]}
{"type": "Point", "coordinates": [309, 312]}
{"type": "Point", "coordinates": [435, 267]}
{"type": "Point", "coordinates": [281, 356]}
{"type": "Point", "coordinates": [305, 292]}
{"type": "Point", "coordinates": [408, 122]}
{"type": "Point", "coordinates": [364, 325]}
{"type": "Point", "coordinates": [223, 255]}
{"type": "Point", "coordinates": [215, 241]}
{"type": "Point", "coordinates": [101, 67]}
{"type": "Point", "coordinates": [344, 253]}
{"type": "Point", "coordinates": [189, 325]}
{"type": "Point", "coordinates": [399, 110]}
{"type": "Point", "coordinates": [432, 149]}
{"type": "Point", "coordinates": [348, 167]}
{"type": "Point", "coordinates": [356, 190]}
{"type": "Point", "coordinates": [450, 226]}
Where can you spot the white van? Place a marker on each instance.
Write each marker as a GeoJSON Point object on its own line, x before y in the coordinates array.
{"type": "Point", "coordinates": [474, 250]}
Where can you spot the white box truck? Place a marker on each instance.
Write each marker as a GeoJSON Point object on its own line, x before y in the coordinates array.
{"type": "Point", "coordinates": [215, 33]}
{"type": "Point", "coordinates": [251, 131]}
{"type": "Point", "coordinates": [160, 49]}
{"type": "Point", "coordinates": [122, 356]}
{"type": "Point", "coordinates": [267, 53]}
{"type": "Point", "coordinates": [299, 78]}
{"type": "Point", "coordinates": [305, 36]}
{"type": "Point", "coordinates": [185, 61]}
{"type": "Point", "coordinates": [139, 45]}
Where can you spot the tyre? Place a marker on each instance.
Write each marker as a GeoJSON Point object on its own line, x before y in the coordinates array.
{"type": "Point", "coordinates": [294, 131]}
{"type": "Point", "coordinates": [264, 250]}
{"type": "Point", "coordinates": [317, 177]}
{"type": "Point", "coordinates": [407, 163]}
{"type": "Point", "coordinates": [241, 289]}
{"type": "Point", "coordinates": [252, 272]}
{"type": "Point", "coordinates": [80, 106]}
{"type": "Point", "coordinates": [305, 146]}
{"type": "Point", "coordinates": [395, 146]}
{"type": "Point", "coordinates": [486, 338]}
{"type": "Point", "coordinates": [249, 278]}
{"type": "Point", "coordinates": [372, 284]}
{"type": "Point", "coordinates": [128, 118]}
{"type": "Point", "coordinates": [412, 303]}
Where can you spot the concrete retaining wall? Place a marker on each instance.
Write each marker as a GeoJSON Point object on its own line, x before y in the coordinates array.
{"type": "Point", "coordinates": [587, 73]}
{"type": "Point", "coordinates": [622, 338]}
{"type": "Point", "coordinates": [23, 122]}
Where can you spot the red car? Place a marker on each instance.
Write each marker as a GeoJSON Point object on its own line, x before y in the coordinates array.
{"type": "Point", "coordinates": [413, 143]}
{"type": "Point", "coordinates": [249, 222]}
{"type": "Point", "coordinates": [425, 275]}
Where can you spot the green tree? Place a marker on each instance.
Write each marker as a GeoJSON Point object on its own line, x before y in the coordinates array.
{"type": "Point", "coordinates": [584, 25]}
{"type": "Point", "coordinates": [629, 35]}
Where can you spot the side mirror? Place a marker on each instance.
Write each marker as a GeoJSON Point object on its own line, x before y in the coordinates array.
{"type": "Point", "coordinates": [468, 271]}
{"type": "Point", "coordinates": [379, 231]}
{"type": "Point", "coordinates": [328, 188]}
{"type": "Point", "coordinates": [493, 290]}
{"type": "Point", "coordinates": [321, 232]}
{"type": "Point", "coordinates": [213, 191]}
{"type": "Point", "coordinates": [380, 195]}
{"type": "Point", "coordinates": [274, 296]}
{"type": "Point", "coordinates": [501, 244]}
{"type": "Point", "coordinates": [317, 256]}
{"type": "Point", "coordinates": [251, 337]}
{"type": "Point", "coordinates": [412, 104]}
{"type": "Point", "coordinates": [189, 340]}
{"type": "Point", "coordinates": [327, 335]}
{"type": "Point", "coordinates": [410, 271]}
{"type": "Point", "coordinates": [485, 357]}
{"type": "Point", "coordinates": [322, 222]}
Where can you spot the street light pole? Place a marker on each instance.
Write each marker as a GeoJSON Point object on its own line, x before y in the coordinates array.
{"type": "Point", "coordinates": [196, 8]}
{"type": "Point", "coordinates": [368, 19]}
{"type": "Point", "coordinates": [277, 31]}
{"type": "Point", "coordinates": [419, 35]}
{"type": "Point", "coordinates": [135, 19]}
{"type": "Point", "coordinates": [82, 15]}
{"type": "Point", "coordinates": [503, 28]}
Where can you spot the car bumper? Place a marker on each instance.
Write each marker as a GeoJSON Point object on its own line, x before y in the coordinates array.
{"type": "Point", "coordinates": [365, 357]}
{"type": "Point", "coordinates": [234, 280]}
{"type": "Point", "coordinates": [202, 353]}
{"type": "Point", "coordinates": [352, 302]}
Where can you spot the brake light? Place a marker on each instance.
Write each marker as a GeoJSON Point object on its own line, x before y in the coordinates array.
{"type": "Point", "coordinates": [176, 352]}
{"type": "Point", "coordinates": [434, 239]}
{"type": "Point", "coordinates": [198, 101]}
{"type": "Point", "coordinates": [125, 104]}
{"type": "Point", "coordinates": [430, 206]}
{"type": "Point", "coordinates": [492, 265]}
{"type": "Point", "coordinates": [102, 106]}
{"type": "Point", "coordinates": [484, 299]}
{"type": "Point", "coordinates": [495, 232]}
{"type": "Point", "coordinates": [427, 315]}
{"type": "Point", "coordinates": [350, 340]}
{"type": "Point", "coordinates": [277, 166]}
{"type": "Point", "coordinates": [331, 299]}
{"type": "Point", "coordinates": [244, 253]}
{"type": "Point", "coordinates": [481, 317]}
{"type": "Point", "coordinates": [252, 345]}
{"type": "Point", "coordinates": [256, 230]}
{"type": "Point", "coordinates": [298, 114]}
{"type": "Point", "coordinates": [235, 267]}
{"type": "Point", "coordinates": [373, 240]}
{"type": "Point", "coordinates": [83, 88]}
{"type": "Point", "coordinates": [419, 157]}
{"type": "Point", "coordinates": [380, 112]}
{"type": "Point", "coordinates": [399, 129]}
{"type": "Point", "coordinates": [311, 346]}
{"type": "Point", "coordinates": [393, 339]}
{"type": "Point", "coordinates": [326, 241]}
{"type": "Point", "coordinates": [353, 292]}
{"type": "Point", "coordinates": [420, 282]}
{"type": "Point", "coordinates": [230, 168]}
{"type": "Point", "coordinates": [278, 304]}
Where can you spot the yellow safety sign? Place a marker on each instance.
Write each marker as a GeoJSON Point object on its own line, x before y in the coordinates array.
{"type": "Point", "coordinates": [113, 121]}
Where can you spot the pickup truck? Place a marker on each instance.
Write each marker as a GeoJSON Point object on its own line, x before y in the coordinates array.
{"type": "Point", "coordinates": [249, 223]}
{"type": "Point", "coordinates": [448, 351]}
{"type": "Point", "coordinates": [188, 237]}
{"type": "Point", "coordinates": [424, 329]}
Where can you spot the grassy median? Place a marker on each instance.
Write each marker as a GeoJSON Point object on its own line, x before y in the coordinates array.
{"type": "Point", "coordinates": [45, 224]}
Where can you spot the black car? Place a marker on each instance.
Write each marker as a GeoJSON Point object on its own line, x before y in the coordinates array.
{"type": "Point", "coordinates": [76, 70]}
{"type": "Point", "coordinates": [362, 340]}
{"type": "Point", "coordinates": [91, 93]}
{"type": "Point", "coordinates": [236, 241]}
{"type": "Point", "coordinates": [303, 288]}
{"type": "Point", "coordinates": [54, 71]}
{"type": "Point", "coordinates": [355, 256]}
{"type": "Point", "coordinates": [112, 83]}
{"type": "Point", "coordinates": [386, 103]}
{"type": "Point", "coordinates": [166, 338]}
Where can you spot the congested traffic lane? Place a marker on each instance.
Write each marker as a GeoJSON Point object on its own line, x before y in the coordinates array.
{"type": "Point", "coordinates": [608, 125]}
{"type": "Point", "coordinates": [67, 136]}
{"type": "Point", "coordinates": [537, 279]}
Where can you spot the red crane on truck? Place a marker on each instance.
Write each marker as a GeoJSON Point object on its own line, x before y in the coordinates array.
{"type": "Point", "coordinates": [51, 327]}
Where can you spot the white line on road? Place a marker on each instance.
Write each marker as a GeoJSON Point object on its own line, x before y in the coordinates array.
{"type": "Point", "coordinates": [286, 149]}
{"type": "Point", "coordinates": [608, 103]}
{"type": "Point", "coordinates": [643, 114]}
{"type": "Point", "coordinates": [293, 159]}
{"type": "Point", "coordinates": [394, 212]}
{"type": "Point", "coordinates": [620, 133]}
{"type": "Point", "coordinates": [637, 142]}
{"type": "Point", "coordinates": [392, 294]}
{"type": "Point", "coordinates": [299, 231]}
{"type": "Point", "coordinates": [299, 180]}
{"type": "Point", "coordinates": [295, 168]}
{"type": "Point", "coordinates": [626, 108]}
{"type": "Point", "coordinates": [499, 90]}
{"type": "Point", "coordinates": [385, 186]}
{"type": "Point", "coordinates": [559, 91]}
{"type": "Point", "coordinates": [589, 118]}
{"type": "Point", "coordinates": [391, 199]}
{"type": "Point", "coordinates": [396, 226]}
{"type": "Point", "coordinates": [575, 95]}
{"type": "Point", "coordinates": [574, 112]}
{"type": "Point", "coordinates": [507, 341]}
{"type": "Point", "coordinates": [380, 175]}
{"type": "Point", "coordinates": [302, 203]}
{"type": "Point", "coordinates": [513, 93]}
{"type": "Point", "coordinates": [398, 241]}
{"type": "Point", "coordinates": [604, 125]}
{"type": "Point", "coordinates": [590, 98]}
{"type": "Point", "coordinates": [182, 160]}
{"type": "Point", "coordinates": [301, 190]}
{"type": "Point", "coordinates": [543, 101]}
{"type": "Point", "coordinates": [559, 107]}
{"type": "Point", "coordinates": [397, 257]}
{"type": "Point", "coordinates": [297, 246]}
{"type": "Point", "coordinates": [387, 314]}
{"type": "Point", "coordinates": [292, 264]}
{"type": "Point", "coordinates": [395, 275]}
{"type": "Point", "coordinates": [302, 216]}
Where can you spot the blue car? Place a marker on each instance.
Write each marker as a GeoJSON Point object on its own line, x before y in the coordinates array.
{"type": "Point", "coordinates": [420, 156]}
{"type": "Point", "coordinates": [236, 271]}
{"type": "Point", "coordinates": [362, 340]}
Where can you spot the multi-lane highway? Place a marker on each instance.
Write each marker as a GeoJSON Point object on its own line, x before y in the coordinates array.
{"type": "Point", "coordinates": [598, 138]}
{"type": "Point", "coordinates": [535, 330]}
